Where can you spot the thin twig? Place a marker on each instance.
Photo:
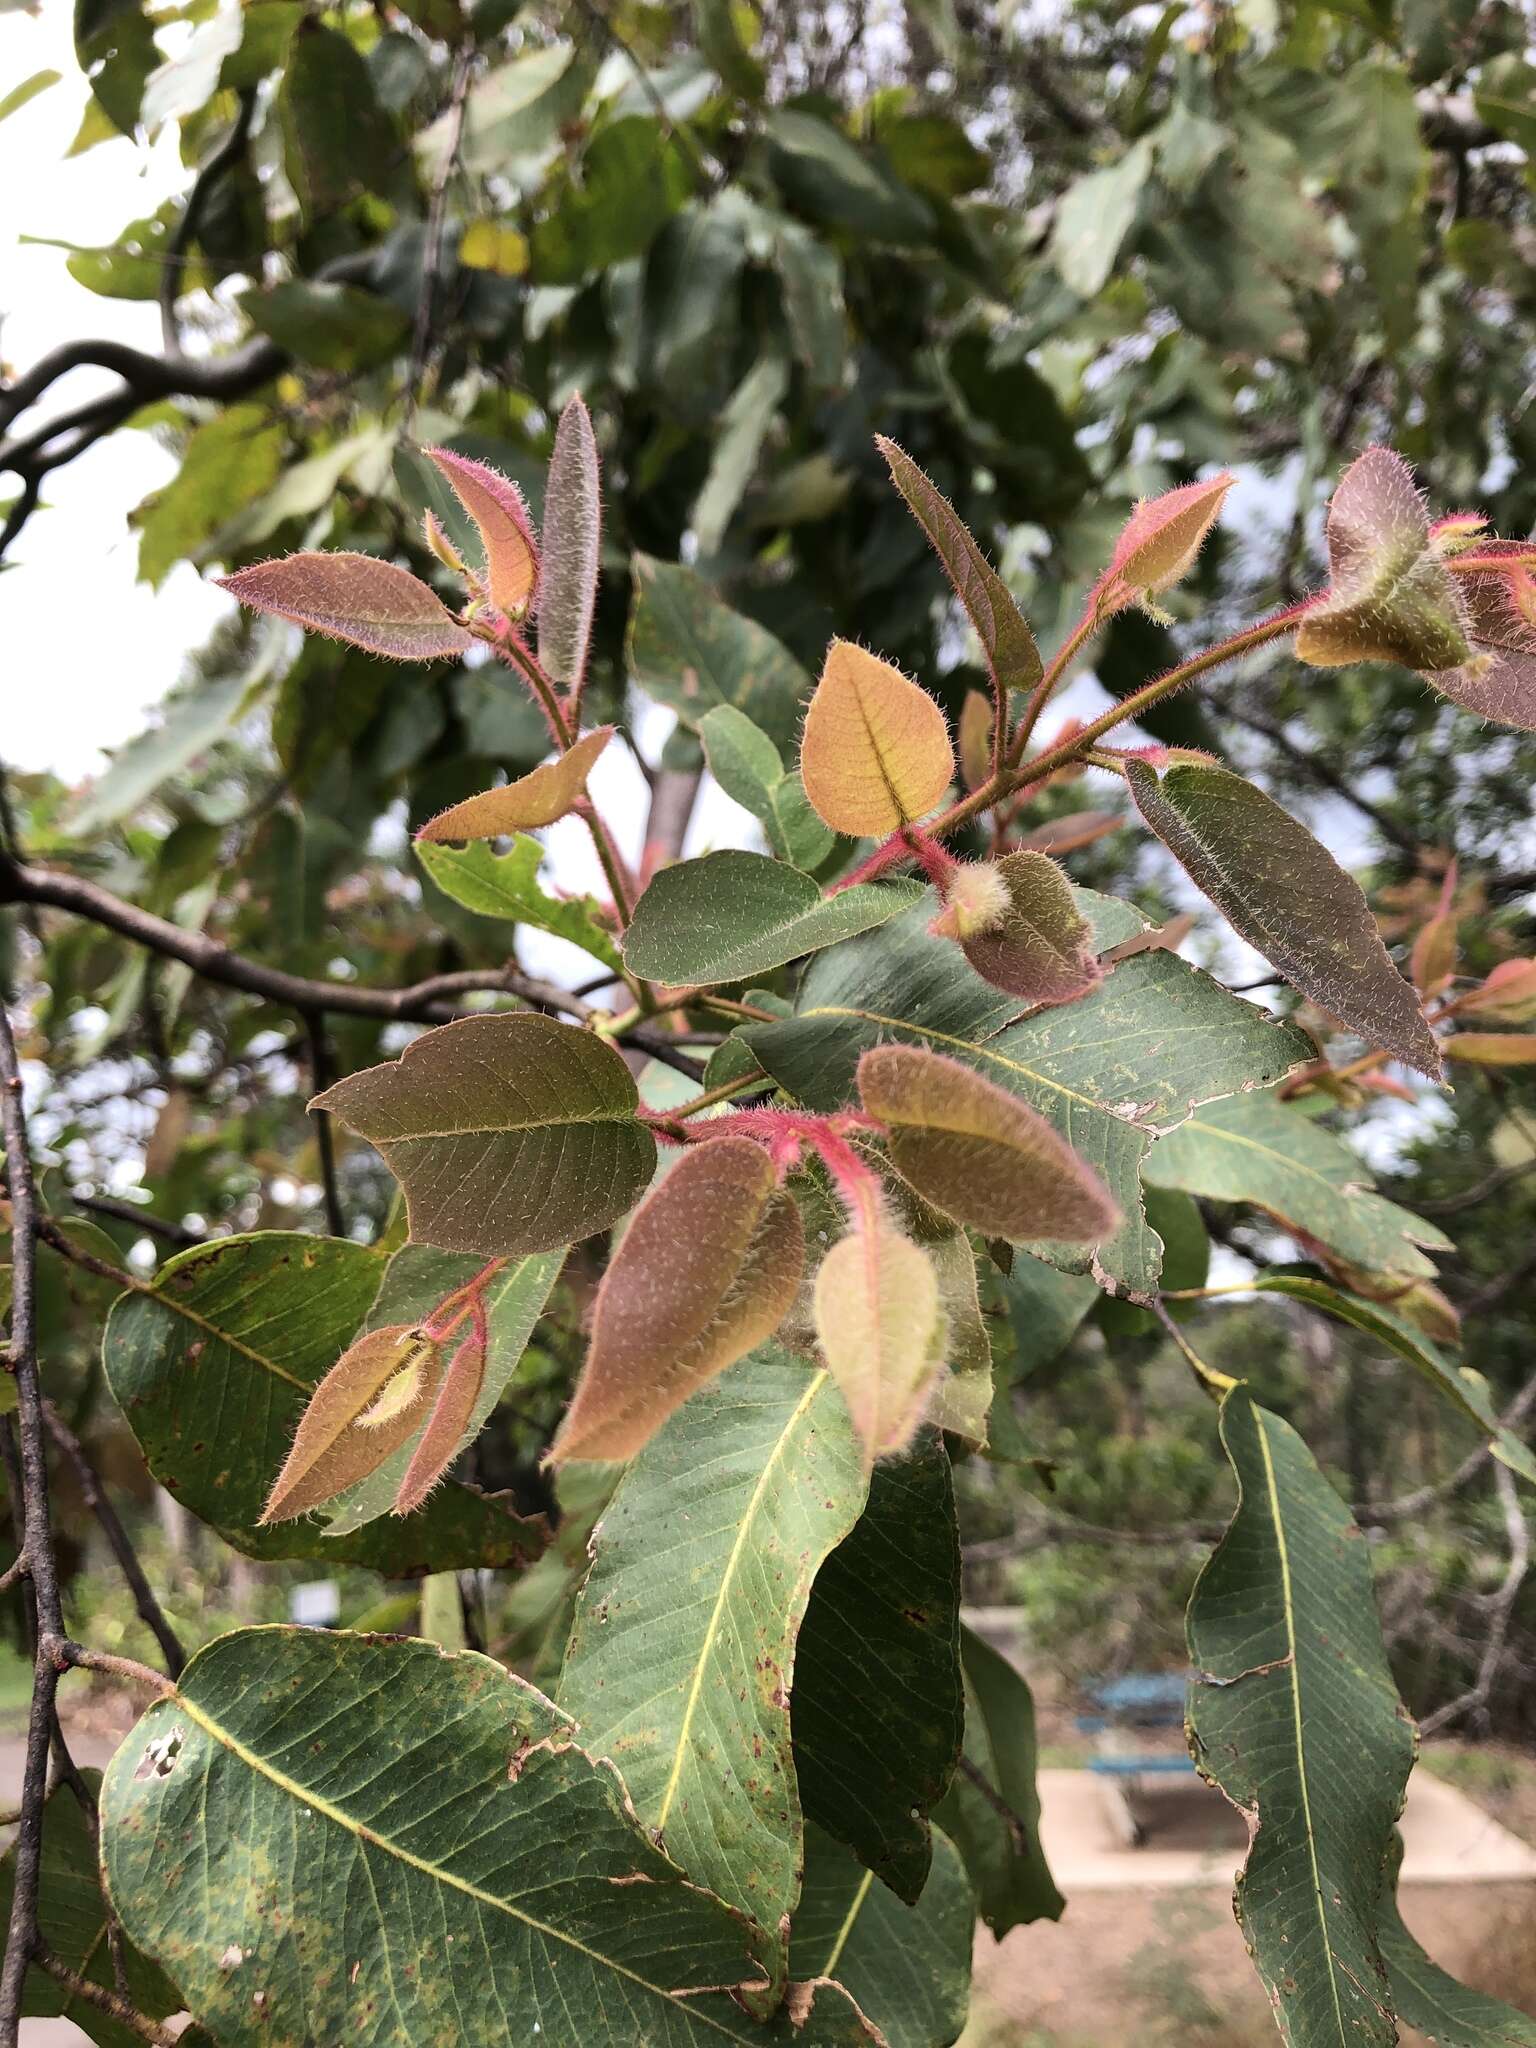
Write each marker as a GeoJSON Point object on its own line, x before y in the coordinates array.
{"type": "Point", "coordinates": [1475, 1699]}
{"type": "Point", "coordinates": [109, 2002]}
{"type": "Point", "coordinates": [141, 1219]}
{"type": "Point", "coordinates": [150, 1611]}
{"type": "Point", "coordinates": [322, 1073]}
{"type": "Point", "coordinates": [432, 248]}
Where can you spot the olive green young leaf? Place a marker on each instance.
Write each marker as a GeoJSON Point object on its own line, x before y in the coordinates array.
{"type": "Point", "coordinates": [733, 914]}
{"type": "Point", "coordinates": [877, 1708]}
{"type": "Point", "coordinates": [747, 766]}
{"type": "Point", "coordinates": [507, 885]}
{"type": "Point", "coordinates": [1284, 892]}
{"type": "Point", "coordinates": [1294, 1715]}
{"type": "Point", "coordinates": [508, 1133]}
{"type": "Point", "coordinates": [271, 1827]}
{"type": "Point", "coordinates": [214, 1362]}
{"type": "Point", "coordinates": [992, 1810]}
{"type": "Point", "coordinates": [690, 651]}
{"type": "Point", "coordinates": [1255, 1149]}
{"type": "Point", "coordinates": [681, 1658]}
{"type": "Point", "coordinates": [1150, 1043]}
{"type": "Point", "coordinates": [908, 1966]}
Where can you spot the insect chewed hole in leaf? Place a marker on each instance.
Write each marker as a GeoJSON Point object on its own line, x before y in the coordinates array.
{"type": "Point", "coordinates": [875, 754]}
{"type": "Point", "coordinates": [371, 1401]}
{"type": "Point", "coordinates": [978, 1153]}
{"type": "Point", "coordinates": [708, 1268]}
{"type": "Point", "coordinates": [357, 598]}
{"type": "Point", "coordinates": [160, 1757]}
{"type": "Point", "coordinates": [496, 506]}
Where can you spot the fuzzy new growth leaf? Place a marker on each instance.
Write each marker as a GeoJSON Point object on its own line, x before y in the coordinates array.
{"type": "Point", "coordinates": [538, 798]}
{"type": "Point", "coordinates": [450, 1418]}
{"type": "Point", "coordinates": [370, 1402]}
{"type": "Point", "coordinates": [1020, 928]}
{"type": "Point", "coordinates": [876, 754]}
{"type": "Point", "coordinates": [357, 598]}
{"type": "Point", "coordinates": [1161, 540]}
{"type": "Point", "coordinates": [572, 542]}
{"type": "Point", "coordinates": [496, 506]}
{"type": "Point", "coordinates": [881, 1329]}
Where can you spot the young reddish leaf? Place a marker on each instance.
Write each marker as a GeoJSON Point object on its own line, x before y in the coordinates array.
{"type": "Point", "coordinates": [496, 506]}
{"type": "Point", "coordinates": [1509, 993]}
{"type": "Point", "coordinates": [1005, 638]}
{"type": "Point", "coordinates": [450, 1418]}
{"type": "Point", "coordinates": [1391, 598]}
{"type": "Point", "coordinates": [876, 750]}
{"type": "Point", "coordinates": [1499, 682]}
{"type": "Point", "coordinates": [1288, 897]}
{"type": "Point", "coordinates": [368, 1404]}
{"type": "Point", "coordinates": [1492, 1048]}
{"type": "Point", "coordinates": [1070, 833]}
{"type": "Point", "coordinates": [976, 716]}
{"type": "Point", "coordinates": [881, 1331]}
{"type": "Point", "coordinates": [980, 1154]}
{"type": "Point", "coordinates": [539, 798]}
{"type": "Point", "coordinates": [1032, 941]}
{"type": "Point", "coordinates": [1433, 961]}
{"type": "Point", "coordinates": [1162, 537]}
{"type": "Point", "coordinates": [509, 1134]}
{"type": "Point", "coordinates": [708, 1268]}
{"type": "Point", "coordinates": [353, 597]}
{"type": "Point", "coordinates": [572, 538]}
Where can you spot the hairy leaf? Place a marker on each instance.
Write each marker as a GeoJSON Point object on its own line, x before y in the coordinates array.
{"type": "Point", "coordinates": [507, 885]}
{"type": "Point", "coordinates": [1294, 1715]}
{"type": "Point", "coordinates": [690, 651]}
{"type": "Point", "coordinates": [374, 1397]}
{"type": "Point", "coordinates": [357, 598]}
{"type": "Point", "coordinates": [977, 1152]}
{"type": "Point", "coordinates": [1392, 597]}
{"type": "Point", "coordinates": [1111, 1072]}
{"type": "Point", "coordinates": [1256, 1149]}
{"type": "Point", "coordinates": [214, 1363]}
{"type": "Point", "coordinates": [1288, 897]}
{"type": "Point", "coordinates": [271, 1827]}
{"type": "Point", "coordinates": [1029, 938]}
{"type": "Point", "coordinates": [1428, 1998]}
{"type": "Point", "coordinates": [881, 1330]}
{"type": "Point", "coordinates": [539, 798]}
{"type": "Point", "coordinates": [908, 1966]}
{"type": "Point", "coordinates": [509, 1134]}
{"type": "Point", "coordinates": [708, 1268]}
{"type": "Point", "coordinates": [732, 914]}
{"type": "Point", "coordinates": [1164, 535]}
{"type": "Point", "coordinates": [875, 753]}
{"type": "Point", "coordinates": [451, 1413]}
{"type": "Point", "coordinates": [682, 1653]}
{"type": "Point", "coordinates": [1464, 1388]}
{"type": "Point", "coordinates": [1006, 641]}
{"type": "Point", "coordinates": [878, 1712]}
{"type": "Point", "coordinates": [572, 544]}
{"type": "Point", "coordinates": [992, 1811]}
{"type": "Point", "coordinates": [72, 1920]}
{"type": "Point", "coordinates": [1499, 682]}
{"type": "Point", "coordinates": [497, 507]}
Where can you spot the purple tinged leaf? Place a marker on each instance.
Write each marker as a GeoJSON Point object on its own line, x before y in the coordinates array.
{"type": "Point", "coordinates": [1288, 897]}
{"type": "Point", "coordinates": [1499, 682]}
{"type": "Point", "coordinates": [1032, 941]}
{"type": "Point", "coordinates": [356, 598]}
{"type": "Point", "coordinates": [1163, 536]}
{"type": "Point", "coordinates": [572, 545]}
{"type": "Point", "coordinates": [450, 1418]}
{"type": "Point", "coordinates": [496, 506]}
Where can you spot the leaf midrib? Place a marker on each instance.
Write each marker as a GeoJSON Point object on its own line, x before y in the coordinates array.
{"type": "Point", "coordinates": [328, 1810]}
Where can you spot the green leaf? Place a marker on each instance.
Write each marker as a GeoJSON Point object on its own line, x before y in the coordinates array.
{"type": "Point", "coordinates": [681, 1654]}
{"type": "Point", "coordinates": [746, 764]}
{"type": "Point", "coordinates": [743, 428]}
{"type": "Point", "coordinates": [507, 885]}
{"type": "Point", "coordinates": [811, 277]}
{"type": "Point", "coordinates": [992, 1811]}
{"type": "Point", "coordinates": [72, 1920]}
{"type": "Point", "coordinates": [732, 914]}
{"type": "Point", "coordinates": [115, 48]}
{"type": "Point", "coordinates": [234, 456]}
{"type": "Point", "coordinates": [28, 89]}
{"type": "Point", "coordinates": [909, 1967]}
{"type": "Point", "coordinates": [415, 1280]}
{"type": "Point", "coordinates": [516, 109]}
{"type": "Point", "coordinates": [509, 1133]}
{"type": "Point", "coordinates": [334, 325]}
{"type": "Point", "coordinates": [270, 1829]}
{"type": "Point", "coordinates": [877, 1711]}
{"type": "Point", "coordinates": [721, 42]}
{"type": "Point", "coordinates": [1464, 1388]}
{"type": "Point", "coordinates": [339, 143]}
{"type": "Point", "coordinates": [1254, 1149]}
{"type": "Point", "coordinates": [1428, 1998]}
{"type": "Point", "coordinates": [634, 176]}
{"type": "Point", "coordinates": [690, 651]}
{"type": "Point", "coordinates": [214, 1362]}
{"type": "Point", "coordinates": [1505, 97]}
{"type": "Point", "coordinates": [690, 308]}
{"type": "Point", "coordinates": [1294, 1715]}
{"type": "Point", "coordinates": [1284, 892]}
{"type": "Point", "coordinates": [1094, 217]}
{"type": "Point", "coordinates": [1111, 1072]}
{"type": "Point", "coordinates": [185, 85]}
{"type": "Point", "coordinates": [833, 180]}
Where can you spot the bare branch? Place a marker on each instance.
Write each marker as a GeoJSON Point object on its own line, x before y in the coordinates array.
{"type": "Point", "coordinates": [1475, 1700]}
{"type": "Point", "coordinates": [105, 2001]}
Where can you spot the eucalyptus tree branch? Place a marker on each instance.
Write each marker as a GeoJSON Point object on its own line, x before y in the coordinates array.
{"type": "Point", "coordinates": [151, 1613]}
{"type": "Point", "coordinates": [36, 1537]}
